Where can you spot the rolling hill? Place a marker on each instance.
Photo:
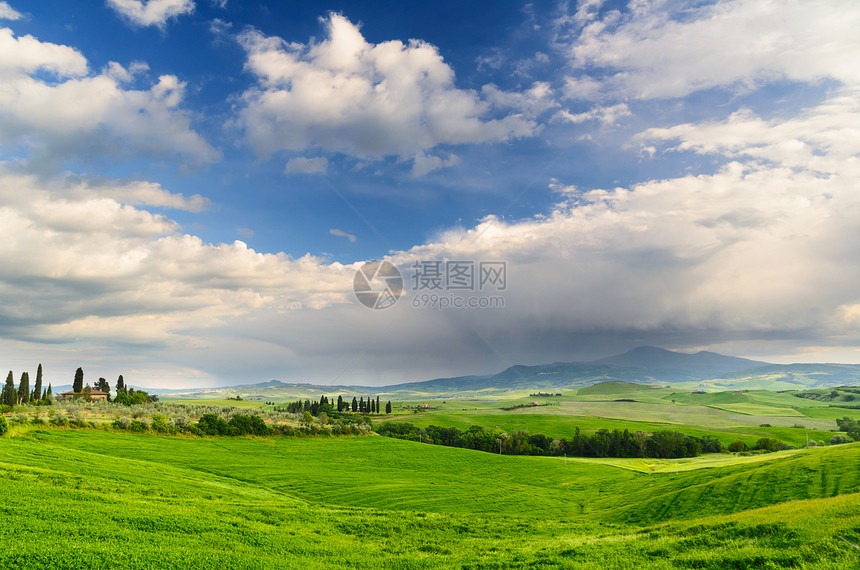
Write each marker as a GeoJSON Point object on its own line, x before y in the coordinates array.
{"type": "Point", "coordinates": [643, 365]}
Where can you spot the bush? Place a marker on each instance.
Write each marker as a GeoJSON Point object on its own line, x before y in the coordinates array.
{"type": "Point", "coordinates": [737, 446]}
{"type": "Point", "coordinates": [160, 424]}
{"type": "Point", "coordinates": [837, 439]}
{"type": "Point", "coordinates": [60, 420]}
{"type": "Point", "coordinates": [4, 425]}
{"type": "Point", "coordinates": [210, 424]}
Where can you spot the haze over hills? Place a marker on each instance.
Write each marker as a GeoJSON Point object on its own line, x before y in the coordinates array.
{"type": "Point", "coordinates": [643, 365]}
{"type": "Point", "coordinates": [701, 364]}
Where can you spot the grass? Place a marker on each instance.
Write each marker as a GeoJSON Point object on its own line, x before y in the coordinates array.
{"type": "Point", "coordinates": [243, 404]}
{"type": "Point", "coordinates": [114, 500]}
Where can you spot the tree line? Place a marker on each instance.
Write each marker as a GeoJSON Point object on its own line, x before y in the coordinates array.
{"type": "Point", "coordinates": [12, 396]}
{"type": "Point", "coordinates": [664, 444]}
{"type": "Point", "coordinates": [326, 406]}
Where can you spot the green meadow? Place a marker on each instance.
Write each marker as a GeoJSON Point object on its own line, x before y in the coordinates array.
{"type": "Point", "coordinates": [728, 416]}
{"type": "Point", "coordinates": [102, 498]}
{"type": "Point", "coordinates": [91, 498]}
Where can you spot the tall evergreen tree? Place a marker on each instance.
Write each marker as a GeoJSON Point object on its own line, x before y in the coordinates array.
{"type": "Point", "coordinates": [78, 384]}
{"type": "Point", "coordinates": [37, 388]}
{"type": "Point", "coordinates": [24, 388]}
{"type": "Point", "coordinates": [9, 395]}
{"type": "Point", "coordinates": [120, 385]}
{"type": "Point", "coordinates": [339, 403]}
{"type": "Point", "coordinates": [49, 394]}
{"type": "Point", "coordinates": [354, 403]}
{"type": "Point", "coordinates": [388, 407]}
{"type": "Point", "coordinates": [378, 409]}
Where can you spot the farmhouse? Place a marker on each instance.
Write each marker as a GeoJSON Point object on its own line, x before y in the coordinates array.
{"type": "Point", "coordinates": [94, 395]}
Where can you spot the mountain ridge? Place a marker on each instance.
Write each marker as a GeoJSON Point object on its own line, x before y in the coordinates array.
{"type": "Point", "coordinates": [641, 365]}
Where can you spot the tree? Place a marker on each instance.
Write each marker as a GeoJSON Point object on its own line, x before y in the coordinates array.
{"type": "Point", "coordinates": [388, 407]}
{"type": "Point", "coordinates": [78, 384]}
{"type": "Point", "coordinates": [37, 388]}
{"type": "Point", "coordinates": [10, 397]}
{"type": "Point", "coordinates": [24, 388]}
{"type": "Point", "coordinates": [354, 403]}
{"type": "Point", "coordinates": [378, 409]}
{"type": "Point", "coordinates": [103, 386]}
{"type": "Point", "coordinates": [49, 395]}
{"type": "Point", "coordinates": [87, 393]}
{"type": "Point", "coordinates": [120, 384]}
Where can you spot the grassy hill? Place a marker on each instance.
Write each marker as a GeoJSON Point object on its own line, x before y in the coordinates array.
{"type": "Point", "coordinates": [117, 500]}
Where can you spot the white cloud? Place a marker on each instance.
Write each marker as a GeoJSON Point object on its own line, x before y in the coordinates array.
{"type": "Point", "coordinates": [346, 95]}
{"type": "Point", "coordinates": [606, 115]}
{"type": "Point", "coordinates": [85, 264]}
{"type": "Point", "coordinates": [7, 12]}
{"type": "Point", "coordinates": [83, 114]}
{"type": "Point", "coordinates": [300, 164]}
{"type": "Point", "coordinates": [151, 12]}
{"type": "Point", "coordinates": [426, 163]}
{"type": "Point", "coordinates": [529, 103]}
{"type": "Point", "coordinates": [341, 233]}
{"type": "Point", "coordinates": [667, 49]}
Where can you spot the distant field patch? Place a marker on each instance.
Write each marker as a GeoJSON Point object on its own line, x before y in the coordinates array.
{"type": "Point", "coordinates": [244, 404]}
{"type": "Point", "coordinates": [751, 409]}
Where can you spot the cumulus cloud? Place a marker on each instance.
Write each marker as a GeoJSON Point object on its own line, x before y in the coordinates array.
{"type": "Point", "coordinates": [84, 262]}
{"type": "Point", "coordinates": [7, 12]}
{"type": "Point", "coordinates": [316, 165]}
{"type": "Point", "coordinates": [347, 95]}
{"type": "Point", "coordinates": [80, 114]}
{"type": "Point", "coordinates": [669, 49]}
{"type": "Point", "coordinates": [151, 12]}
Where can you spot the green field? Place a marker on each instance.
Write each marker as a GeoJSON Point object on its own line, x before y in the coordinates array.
{"type": "Point", "coordinates": [120, 500]}
{"type": "Point", "coordinates": [728, 416]}
{"type": "Point", "coordinates": [87, 498]}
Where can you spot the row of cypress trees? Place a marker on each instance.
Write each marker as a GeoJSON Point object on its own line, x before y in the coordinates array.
{"type": "Point", "coordinates": [23, 395]}
{"type": "Point", "coordinates": [369, 406]}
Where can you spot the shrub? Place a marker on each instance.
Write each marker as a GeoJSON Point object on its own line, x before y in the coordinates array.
{"type": "Point", "coordinates": [210, 424]}
{"type": "Point", "coordinates": [60, 419]}
{"type": "Point", "coordinates": [737, 446]}
{"type": "Point", "coordinates": [160, 424]}
{"type": "Point", "coordinates": [4, 425]}
{"type": "Point", "coordinates": [839, 438]}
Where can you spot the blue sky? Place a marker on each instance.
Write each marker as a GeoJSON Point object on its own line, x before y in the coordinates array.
{"type": "Point", "coordinates": [192, 185]}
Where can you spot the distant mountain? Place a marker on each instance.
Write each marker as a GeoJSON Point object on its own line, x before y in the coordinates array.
{"type": "Point", "coordinates": [642, 365]}
{"type": "Point", "coordinates": [702, 364]}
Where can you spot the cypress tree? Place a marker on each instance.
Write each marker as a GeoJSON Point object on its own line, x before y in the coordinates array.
{"type": "Point", "coordinates": [78, 384]}
{"type": "Point", "coordinates": [24, 388]}
{"type": "Point", "coordinates": [9, 395]}
{"type": "Point", "coordinates": [388, 407]}
{"type": "Point", "coordinates": [378, 409]}
{"type": "Point", "coordinates": [354, 403]}
{"type": "Point", "coordinates": [49, 394]}
{"type": "Point", "coordinates": [339, 403]}
{"type": "Point", "coordinates": [120, 385]}
{"type": "Point", "coordinates": [37, 388]}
